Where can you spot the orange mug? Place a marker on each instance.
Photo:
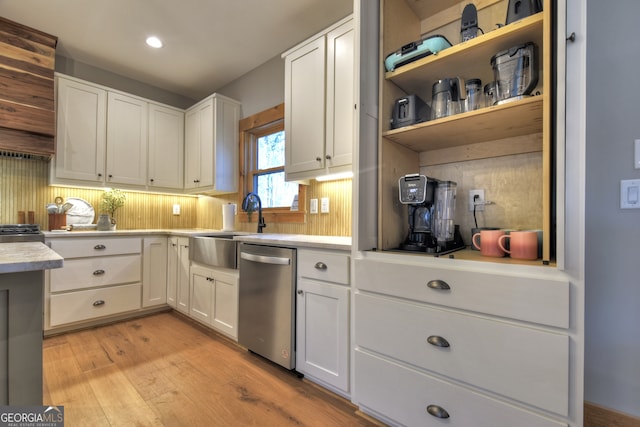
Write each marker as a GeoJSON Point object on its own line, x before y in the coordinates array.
{"type": "Point", "coordinates": [488, 244]}
{"type": "Point", "coordinates": [522, 244]}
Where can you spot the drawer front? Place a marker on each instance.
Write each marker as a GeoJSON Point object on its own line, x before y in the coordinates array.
{"type": "Point", "coordinates": [94, 272]}
{"type": "Point", "coordinates": [329, 266]}
{"type": "Point", "coordinates": [93, 303]}
{"type": "Point", "coordinates": [544, 301]}
{"type": "Point", "coordinates": [90, 247]}
{"type": "Point", "coordinates": [404, 395]}
{"type": "Point", "coordinates": [489, 354]}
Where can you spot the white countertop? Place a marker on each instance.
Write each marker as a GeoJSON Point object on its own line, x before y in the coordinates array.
{"type": "Point", "coordinates": [27, 256]}
{"type": "Point", "coordinates": [298, 240]}
{"type": "Point", "coordinates": [273, 239]}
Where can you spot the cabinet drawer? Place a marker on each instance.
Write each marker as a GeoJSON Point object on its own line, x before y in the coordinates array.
{"type": "Point", "coordinates": [94, 303]}
{"type": "Point", "coordinates": [89, 247]}
{"type": "Point", "coordinates": [328, 266]}
{"type": "Point", "coordinates": [489, 354]}
{"type": "Point", "coordinates": [94, 272]}
{"type": "Point", "coordinates": [527, 298]}
{"type": "Point", "coordinates": [403, 395]}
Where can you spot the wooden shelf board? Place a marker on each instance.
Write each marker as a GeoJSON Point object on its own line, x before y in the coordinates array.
{"type": "Point", "coordinates": [468, 254]}
{"type": "Point", "coordinates": [469, 59]}
{"type": "Point", "coordinates": [486, 124]}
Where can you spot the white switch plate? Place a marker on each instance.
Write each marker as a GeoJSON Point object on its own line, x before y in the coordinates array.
{"type": "Point", "coordinates": [176, 209]}
{"type": "Point", "coordinates": [630, 194]}
{"type": "Point", "coordinates": [636, 156]}
{"type": "Point", "coordinates": [324, 205]}
{"type": "Point", "coordinates": [313, 206]}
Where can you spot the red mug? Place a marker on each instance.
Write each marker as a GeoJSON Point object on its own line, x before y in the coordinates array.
{"type": "Point", "coordinates": [523, 244]}
{"type": "Point", "coordinates": [488, 244]}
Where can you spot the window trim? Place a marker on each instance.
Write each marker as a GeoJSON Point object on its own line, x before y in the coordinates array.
{"type": "Point", "coordinates": [249, 127]}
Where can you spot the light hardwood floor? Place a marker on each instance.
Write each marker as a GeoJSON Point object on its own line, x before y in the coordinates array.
{"type": "Point", "coordinates": [163, 370]}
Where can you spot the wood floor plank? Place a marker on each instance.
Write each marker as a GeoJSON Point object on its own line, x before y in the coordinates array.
{"type": "Point", "coordinates": [165, 370]}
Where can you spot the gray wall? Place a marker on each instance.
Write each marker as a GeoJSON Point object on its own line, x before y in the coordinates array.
{"type": "Point", "coordinates": [259, 89]}
{"type": "Point", "coordinates": [612, 307]}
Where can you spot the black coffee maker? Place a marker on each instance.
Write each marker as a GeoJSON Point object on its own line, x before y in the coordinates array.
{"type": "Point", "coordinates": [430, 217]}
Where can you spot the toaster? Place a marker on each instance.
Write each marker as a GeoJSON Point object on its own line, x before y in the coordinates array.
{"type": "Point", "coordinates": [409, 110]}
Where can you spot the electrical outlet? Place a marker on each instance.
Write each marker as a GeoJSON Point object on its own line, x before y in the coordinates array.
{"type": "Point", "coordinates": [324, 205]}
{"type": "Point", "coordinates": [479, 201]}
{"type": "Point", "coordinates": [313, 206]}
{"type": "Point", "coordinates": [176, 209]}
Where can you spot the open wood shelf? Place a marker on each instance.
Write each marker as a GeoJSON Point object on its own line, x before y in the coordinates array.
{"type": "Point", "coordinates": [516, 118]}
{"type": "Point", "coordinates": [468, 59]}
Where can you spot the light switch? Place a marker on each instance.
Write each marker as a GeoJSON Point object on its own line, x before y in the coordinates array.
{"type": "Point", "coordinates": [636, 157]}
{"type": "Point", "coordinates": [313, 206]}
{"type": "Point", "coordinates": [630, 194]}
{"type": "Point", "coordinates": [176, 209]}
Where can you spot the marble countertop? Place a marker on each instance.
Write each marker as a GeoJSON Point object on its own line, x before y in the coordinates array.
{"type": "Point", "coordinates": [273, 239]}
{"type": "Point", "coordinates": [27, 256]}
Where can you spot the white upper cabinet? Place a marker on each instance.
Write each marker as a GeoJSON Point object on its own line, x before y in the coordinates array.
{"type": "Point", "coordinates": [80, 132]}
{"type": "Point", "coordinates": [319, 103]}
{"type": "Point", "coordinates": [166, 147]}
{"type": "Point", "coordinates": [211, 146]}
{"type": "Point", "coordinates": [126, 140]}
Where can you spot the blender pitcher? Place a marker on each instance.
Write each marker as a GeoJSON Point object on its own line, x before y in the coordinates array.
{"type": "Point", "coordinates": [447, 97]}
{"type": "Point", "coordinates": [515, 71]}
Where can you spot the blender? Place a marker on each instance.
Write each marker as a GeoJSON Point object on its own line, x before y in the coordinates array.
{"type": "Point", "coordinates": [515, 71]}
{"type": "Point", "coordinates": [431, 210]}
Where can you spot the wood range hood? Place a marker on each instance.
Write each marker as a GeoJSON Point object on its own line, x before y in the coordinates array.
{"type": "Point", "coordinates": [27, 104]}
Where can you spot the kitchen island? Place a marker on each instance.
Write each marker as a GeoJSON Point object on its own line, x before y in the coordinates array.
{"type": "Point", "coordinates": [22, 268]}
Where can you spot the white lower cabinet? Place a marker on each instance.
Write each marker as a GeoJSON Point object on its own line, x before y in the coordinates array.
{"type": "Point", "coordinates": [182, 276]}
{"type": "Point", "coordinates": [431, 349]}
{"type": "Point", "coordinates": [102, 276]}
{"type": "Point", "coordinates": [154, 271]}
{"type": "Point", "coordinates": [322, 318]}
{"type": "Point", "coordinates": [214, 298]}
{"type": "Point", "coordinates": [177, 269]}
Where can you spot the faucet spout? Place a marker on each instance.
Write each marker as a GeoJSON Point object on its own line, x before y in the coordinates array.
{"type": "Point", "coordinates": [248, 204]}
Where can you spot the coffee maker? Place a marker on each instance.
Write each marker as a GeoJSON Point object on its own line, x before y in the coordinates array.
{"type": "Point", "coordinates": [431, 209]}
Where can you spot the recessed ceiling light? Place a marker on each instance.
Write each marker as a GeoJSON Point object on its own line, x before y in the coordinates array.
{"type": "Point", "coordinates": [153, 41]}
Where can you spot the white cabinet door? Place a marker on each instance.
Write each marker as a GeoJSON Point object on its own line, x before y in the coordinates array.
{"type": "Point", "coordinates": [322, 332]}
{"type": "Point", "coordinates": [81, 131]}
{"type": "Point", "coordinates": [201, 284]}
{"type": "Point", "coordinates": [166, 147]}
{"type": "Point", "coordinates": [211, 145]}
{"type": "Point", "coordinates": [182, 286]}
{"type": "Point", "coordinates": [340, 96]}
{"type": "Point", "coordinates": [304, 108]}
{"type": "Point", "coordinates": [154, 271]}
{"type": "Point", "coordinates": [127, 120]}
{"type": "Point", "coordinates": [225, 303]}
{"type": "Point", "coordinates": [173, 261]}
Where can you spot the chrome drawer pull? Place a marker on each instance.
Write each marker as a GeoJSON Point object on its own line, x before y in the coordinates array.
{"type": "Point", "coordinates": [99, 247]}
{"type": "Point", "coordinates": [438, 284]}
{"type": "Point", "coordinates": [98, 303]}
{"type": "Point", "coordinates": [320, 265]}
{"type": "Point", "coordinates": [98, 272]}
{"type": "Point", "coordinates": [438, 341]}
{"type": "Point", "coordinates": [437, 411]}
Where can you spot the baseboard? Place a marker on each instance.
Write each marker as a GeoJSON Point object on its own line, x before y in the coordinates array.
{"type": "Point", "coordinates": [600, 416]}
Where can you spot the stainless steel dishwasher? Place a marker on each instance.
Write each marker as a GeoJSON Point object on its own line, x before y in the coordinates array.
{"type": "Point", "coordinates": [266, 308]}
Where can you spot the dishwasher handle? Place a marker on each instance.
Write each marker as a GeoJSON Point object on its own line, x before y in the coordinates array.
{"type": "Point", "coordinates": [263, 259]}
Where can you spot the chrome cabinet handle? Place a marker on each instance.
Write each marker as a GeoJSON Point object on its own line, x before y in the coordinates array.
{"type": "Point", "coordinates": [439, 285]}
{"type": "Point", "coordinates": [437, 411]}
{"type": "Point", "coordinates": [99, 247]}
{"type": "Point", "coordinates": [98, 272]}
{"type": "Point", "coordinates": [98, 303]}
{"type": "Point", "coordinates": [321, 265]}
{"type": "Point", "coordinates": [438, 341]}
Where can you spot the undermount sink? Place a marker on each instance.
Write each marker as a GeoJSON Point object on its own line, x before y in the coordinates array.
{"type": "Point", "coordinates": [214, 250]}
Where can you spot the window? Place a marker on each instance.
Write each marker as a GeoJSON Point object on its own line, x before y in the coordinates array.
{"type": "Point", "coordinates": [262, 140]}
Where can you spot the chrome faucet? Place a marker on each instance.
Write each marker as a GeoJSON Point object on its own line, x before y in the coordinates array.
{"type": "Point", "coordinates": [247, 205]}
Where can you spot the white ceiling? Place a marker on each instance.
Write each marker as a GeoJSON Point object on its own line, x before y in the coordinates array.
{"type": "Point", "coordinates": [208, 43]}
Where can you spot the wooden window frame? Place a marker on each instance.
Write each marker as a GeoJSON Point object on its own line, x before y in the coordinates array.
{"type": "Point", "coordinates": [259, 124]}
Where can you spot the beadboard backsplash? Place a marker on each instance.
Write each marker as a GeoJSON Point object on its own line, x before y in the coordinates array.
{"type": "Point", "coordinates": [24, 187]}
